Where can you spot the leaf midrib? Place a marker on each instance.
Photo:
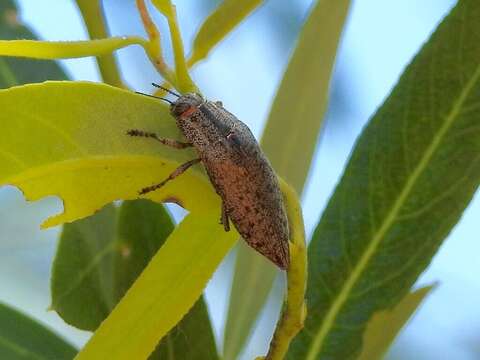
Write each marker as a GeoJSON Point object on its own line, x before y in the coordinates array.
{"type": "Point", "coordinates": [342, 297]}
{"type": "Point", "coordinates": [84, 273]}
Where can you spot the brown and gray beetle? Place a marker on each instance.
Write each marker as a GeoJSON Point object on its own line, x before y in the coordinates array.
{"type": "Point", "coordinates": [238, 170]}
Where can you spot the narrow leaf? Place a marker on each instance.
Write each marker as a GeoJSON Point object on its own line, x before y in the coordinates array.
{"type": "Point", "coordinates": [412, 173]}
{"type": "Point", "coordinates": [16, 71]}
{"type": "Point", "coordinates": [184, 83]}
{"type": "Point", "coordinates": [191, 339]}
{"type": "Point", "coordinates": [82, 284]}
{"type": "Point", "coordinates": [22, 338]}
{"type": "Point", "coordinates": [66, 49]}
{"type": "Point", "coordinates": [143, 227]}
{"type": "Point", "coordinates": [85, 156]}
{"type": "Point", "coordinates": [164, 292]}
{"type": "Point", "coordinates": [384, 326]}
{"type": "Point", "coordinates": [289, 140]}
{"type": "Point", "coordinates": [219, 24]}
{"type": "Point", "coordinates": [297, 113]}
{"type": "Point", "coordinates": [100, 257]}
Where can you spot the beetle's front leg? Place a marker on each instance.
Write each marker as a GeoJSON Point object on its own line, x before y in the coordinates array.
{"type": "Point", "coordinates": [169, 142]}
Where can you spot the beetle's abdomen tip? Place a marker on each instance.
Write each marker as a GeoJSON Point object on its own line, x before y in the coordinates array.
{"type": "Point", "coordinates": [281, 259]}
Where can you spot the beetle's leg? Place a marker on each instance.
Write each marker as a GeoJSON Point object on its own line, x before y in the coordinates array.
{"type": "Point", "coordinates": [224, 219]}
{"type": "Point", "coordinates": [169, 142]}
{"type": "Point", "coordinates": [178, 171]}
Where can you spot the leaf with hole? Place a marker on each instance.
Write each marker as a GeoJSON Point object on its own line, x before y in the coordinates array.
{"type": "Point", "coordinates": [86, 157]}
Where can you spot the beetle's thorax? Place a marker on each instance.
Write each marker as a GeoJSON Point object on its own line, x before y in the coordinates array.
{"type": "Point", "coordinates": [200, 122]}
{"type": "Point", "coordinates": [185, 104]}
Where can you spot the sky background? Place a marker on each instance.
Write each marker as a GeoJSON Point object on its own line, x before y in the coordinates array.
{"type": "Point", "coordinates": [244, 71]}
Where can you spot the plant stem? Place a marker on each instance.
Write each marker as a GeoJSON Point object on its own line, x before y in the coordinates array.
{"type": "Point", "coordinates": [184, 81]}
{"type": "Point", "coordinates": [154, 49]}
{"type": "Point", "coordinates": [94, 20]}
{"type": "Point", "coordinates": [294, 311]}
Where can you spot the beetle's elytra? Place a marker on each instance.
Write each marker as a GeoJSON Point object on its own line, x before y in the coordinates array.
{"type": "Point", "coordinates": [238, 170]}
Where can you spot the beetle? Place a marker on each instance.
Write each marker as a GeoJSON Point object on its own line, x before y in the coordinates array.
{"type": "Point", "coordinates": [238, 170]}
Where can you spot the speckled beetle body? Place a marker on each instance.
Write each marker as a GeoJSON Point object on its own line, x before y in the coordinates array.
{"type": "Point", "coordinates": [239, 172]}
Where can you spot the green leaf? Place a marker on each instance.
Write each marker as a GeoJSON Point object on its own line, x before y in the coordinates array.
{"type": "Point", "coordinates": [164, 292]}
{"type": "Point", "coordinates": [143, 227]}
{"type": "Point", "coordinates": [82, 284]}
{"type": "Point", "coordinates": [77, 148]}
{"type": "Point", "coordinates": [412, 173]}
{"type": "Point", "coordinates": [22, 338]}
{"type": "Point", "coordinates": [219, 24]}
{"type": "Point", "coordinates": [16, 71]}
{"type": "Point", "coordinates": [289, 141]}
{"type": "Point", "coordinates": [100, 257]}
{"type": "Point", "coordinates": [385, 325]}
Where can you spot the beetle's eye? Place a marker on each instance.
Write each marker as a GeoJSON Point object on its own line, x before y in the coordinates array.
{"type": "Point", "coordinates": [179, 108]}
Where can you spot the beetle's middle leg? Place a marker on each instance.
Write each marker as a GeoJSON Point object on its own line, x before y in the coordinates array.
{"type": "Point", "coordinates": [178, 171]}
{"type": "Point", "coordinates": [169, 142]}
{"type": "Point", "coordinates": [224, 218]}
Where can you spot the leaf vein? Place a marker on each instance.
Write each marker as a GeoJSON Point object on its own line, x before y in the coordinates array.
{"type": "Point", "coordinates": [390, 219]}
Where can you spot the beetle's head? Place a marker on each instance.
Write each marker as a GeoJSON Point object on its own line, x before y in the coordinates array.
{"type": "Point", "coordinates": [185, 104]}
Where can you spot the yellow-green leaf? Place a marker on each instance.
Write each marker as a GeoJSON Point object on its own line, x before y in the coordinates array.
{"type": "Point", "coordinates": [164, 292]}
{"type": "Point", "coordinates": [289, 140]}
{"type": "Point", "coordinates": [386, 324]}
{"type": "Point", "coordinates": [66, 49]}
{"type": "Point", "coordinates": [69, 139]}
{"type": "Point", "coordinates": [220, 22]}
{"type": "Point", "coordinates": [184, 83]}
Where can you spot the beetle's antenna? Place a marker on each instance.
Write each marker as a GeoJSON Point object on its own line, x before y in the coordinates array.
{"type": "Point", "coordinates": [155, 97]}
{"type": "Point", "coordinates": [167, 90]}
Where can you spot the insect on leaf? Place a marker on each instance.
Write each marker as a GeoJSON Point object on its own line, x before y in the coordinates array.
{"type": "Point", "coordinates": [86, 157]}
